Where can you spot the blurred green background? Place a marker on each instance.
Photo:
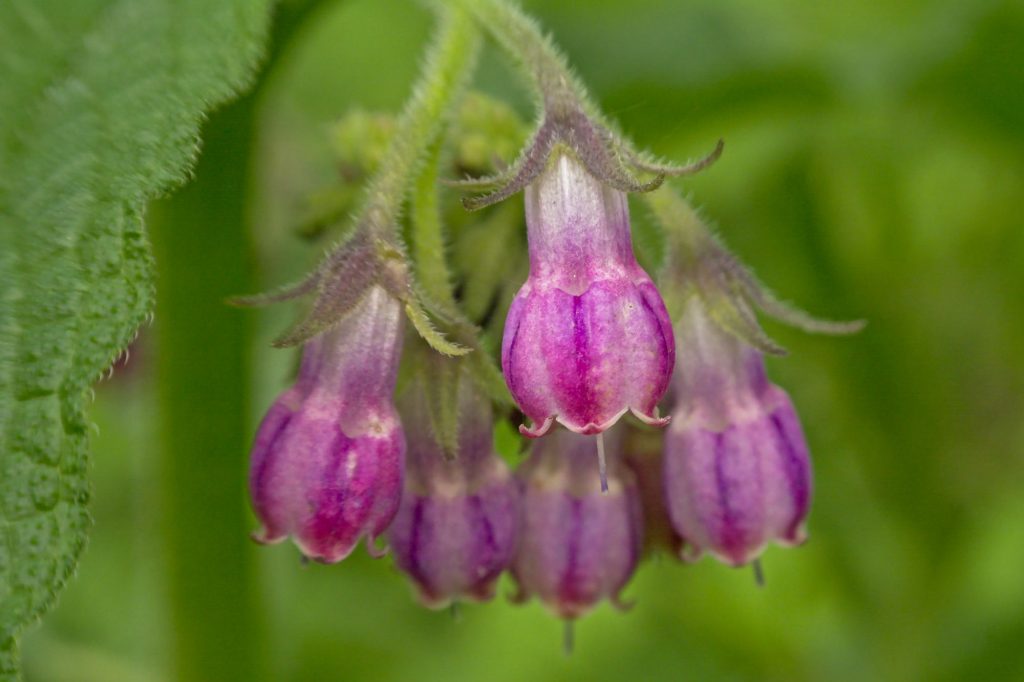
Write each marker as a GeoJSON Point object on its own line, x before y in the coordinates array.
{"type": "Point", "coordinates": [874, 168]}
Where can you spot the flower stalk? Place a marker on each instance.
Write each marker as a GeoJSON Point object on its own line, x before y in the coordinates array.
{"type": "Point", "coordinates": [568, 118]}
{"type": "Point", "coordinates": [373, 253]}
{"type": "Point", "coordinates": [698, 264]}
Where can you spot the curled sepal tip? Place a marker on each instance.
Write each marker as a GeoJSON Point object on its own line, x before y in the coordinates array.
{"type": "Point", "coordinates": [785, 312]}
{"type": "Point", "coordinates": [736, 316]}
{"type": "Point", "coordinates": [342, 281]}
{"type": "Point", "coordinates": [340, 284]}
{"type": "Point", "coordinates": [288, 292]}
{"type": "Point", "coordinates": [643, 163]}
{"type": "Point", "coordinates": [568, 118]}
{"type": "Point", "coordinates": [732, 295]}
{"type": "Point", "coordinates": [604, 154]}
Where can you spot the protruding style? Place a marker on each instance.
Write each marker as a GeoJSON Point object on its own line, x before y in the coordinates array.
{"type": "Point", "coordinates": [328, 459]}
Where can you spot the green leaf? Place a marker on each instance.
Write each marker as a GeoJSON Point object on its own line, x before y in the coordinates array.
{"type": "Point", "coordinates": [99, 112]}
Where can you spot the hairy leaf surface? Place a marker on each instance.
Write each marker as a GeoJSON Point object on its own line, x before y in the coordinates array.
{"type": "Point", "coordinates": [99, 111]}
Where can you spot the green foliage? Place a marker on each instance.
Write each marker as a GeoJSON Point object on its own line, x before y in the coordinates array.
{"type": "Point", "coordinates": [99, 113]}
{"type": "Point", "coordinates": [873, 168]}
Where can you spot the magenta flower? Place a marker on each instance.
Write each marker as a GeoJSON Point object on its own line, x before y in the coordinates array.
{"type": "Point", "coordinates": [577, 545]}
{"type": "Point", "coordinates": [327, 463]}
{"type": "Point", "coordinates": [736, 470]}
{"type": "Point", "coordinates": [456, 529]}
{"type": "Point", "coordinates": [587, 337]}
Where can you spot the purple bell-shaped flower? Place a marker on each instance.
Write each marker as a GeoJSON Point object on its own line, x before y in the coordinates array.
{"type": "Point", "coordinates": [456, 529]}
{"type": "Point", "coordinates": [587, 337]}
{"type": "Point", "coordinates": [577, 545]}
{"type": "Point", "coordinates": [736, 468]}
{"type": "Point", "coordinates": [328, 458]}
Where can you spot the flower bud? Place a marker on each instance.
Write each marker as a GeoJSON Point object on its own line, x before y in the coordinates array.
{"type": "Point", "coordinates": [456, 529]}
{"type": "Point", "coordinates": [577, 545]}
{"type": "Point", "coordinates": [737, 471]}
{"type": "Point", "coordinates": [587, 337]}
{"type": "Point", "coordinates": [327, 462]}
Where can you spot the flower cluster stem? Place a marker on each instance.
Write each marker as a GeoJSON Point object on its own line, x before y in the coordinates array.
{"type": "Point", "coordinates": [428, 248]}
{"type": "Point", "coordinates": [449, 63]}
{"type": "Point", "coordinates": [523, 39]}
{"type": "Point", "coordinates": [684, 232]}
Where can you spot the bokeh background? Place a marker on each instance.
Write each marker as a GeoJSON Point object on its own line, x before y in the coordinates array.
{"type": "Point", "coordinates": [874, 168]}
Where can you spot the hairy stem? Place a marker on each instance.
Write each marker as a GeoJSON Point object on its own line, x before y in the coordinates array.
{"type": "Point", "coordinates": [428, 250]}
{"type": "Point", "coordinates": [449, 63]}
{"type": "Point", "coordinates": [685, 233]}
{"type": "Point", "coordinates": [520, 36]}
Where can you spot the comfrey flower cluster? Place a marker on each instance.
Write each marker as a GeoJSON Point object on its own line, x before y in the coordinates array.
{"type": "Point", "coordinates": [589, 351]}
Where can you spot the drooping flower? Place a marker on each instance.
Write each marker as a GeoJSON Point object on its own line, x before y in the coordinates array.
{"type": "Point", "coordinates": [587, 337]}
{"type": "Point", "coordinates": [736, 467]}
{"type": "Point", "coordinates": [328, 459]}
{"type": "Point", "coordinates": [456, 529]}
{"type": "Point", "coordinates": [577, 545]}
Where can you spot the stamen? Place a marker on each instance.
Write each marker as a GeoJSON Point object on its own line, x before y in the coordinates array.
{"type": "Point", "coordinates": [568, 637]}
{"type": "Point", "coordinates": [758, 573]}
{"type": "Point", "coordinates": [601, 464]}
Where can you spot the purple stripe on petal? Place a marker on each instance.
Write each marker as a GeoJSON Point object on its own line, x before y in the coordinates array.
{"type": "Point", "coordinates": [661, 346]}
{"type": "Point", "coordinates": [571, 587]}
{"type": "Point", "coordinates": [390, 449]}
{"type": "Point", "coordinates": [412, 560]}
{"type": "Point", "coordinates": [796, 465]}
{"type": "Point", "coordinates": [728, 535]}
{"type": "Point", "coordinates": [509, 355]}
{"type": "Point", "coordinates": [336, 502]}
{"type": "Point", "coordinates": [261, 473]}
{"type": "Point", "coordinates": [477, 564]}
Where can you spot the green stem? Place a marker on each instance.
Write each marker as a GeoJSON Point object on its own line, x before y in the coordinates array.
{"type": "Point", "coordinates": [202, 251]}
{"type": "Point", "coordinates": [685, 233]}
{"type": "Point", "coordinates": [432, 272]}
{"type": "Point", "coordinates": [686, 239]}
{"type": "Point", "coordinates": [428, 249]}
{"type": "Point", "coordinates": [449, 63]}
{"type": "Point", "coordinates": [520, 36]}
{"type": "Point", "coordinates": [201, 241]}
